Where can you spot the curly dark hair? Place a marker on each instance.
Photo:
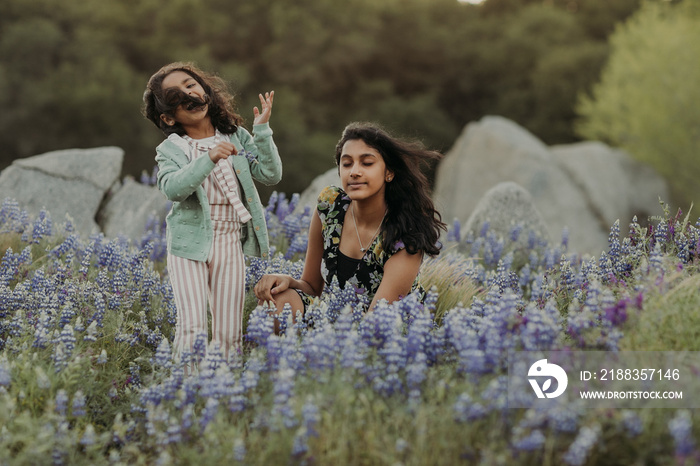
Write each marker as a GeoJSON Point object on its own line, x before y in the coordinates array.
{"type": "Point", "coordinates": [411, 216]}
{"type": "Point", "coordinates": [158, 101]}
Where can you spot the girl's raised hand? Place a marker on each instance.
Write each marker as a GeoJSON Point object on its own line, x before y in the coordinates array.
{"type": "Point", "coordinates": [263, 116]}
{"type": "Point", "coordinates": [222, 151]}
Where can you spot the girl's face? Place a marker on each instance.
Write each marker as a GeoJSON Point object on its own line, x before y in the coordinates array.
{"type": "Point", "coordinates": [193, 110]}
{"type": "Point", "coordinates": [363, 172]}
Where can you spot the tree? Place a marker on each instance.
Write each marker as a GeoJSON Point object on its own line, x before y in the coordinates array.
{"type": "Point", "coordinates": [647, 99]}
{"type": "Point", "coordinates": [72, 73]}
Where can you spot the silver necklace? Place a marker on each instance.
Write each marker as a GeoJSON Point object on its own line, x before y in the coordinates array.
{"type": "Point", "coordinates": [354, 221]}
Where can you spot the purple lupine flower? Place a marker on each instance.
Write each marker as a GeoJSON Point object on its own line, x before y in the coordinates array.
{"type": "Point", "coordinates": [532, 441]}
{"type": "Point", "coordinates": [454, 234]}
{"type": "Point", "coordinates": [681, 429]}
{"type": "Point", "coordinates": [239, 450]}
{"type": "Point", "coordinates": [563, 418]}
{"type": "Point", "coordinates": [42, 330]}
{"type": "Point", "coordinates": [617, 314]}
{"type": "Point", "coordinates": [61, 402]}
{"type": "Point", "coordinates": [187, 417]}
{"type": "Point", "coordinates": [163, 356]}
{"type": "Point", "coordinates": [173, 432]}
{"type": "Point", "coordinates": [283, 392]}
{"type": "Point", "coordinates": [199, 348]}
{"type": "Point", "coordinates": [102, 358]}
{"type": "Point", "coordinates": [88, 438]}
{"type": "Point", "coordinates": [542, 326]}
{"type": "Point", "coordinates": [320, 348]}
{"type": "Point", "coordinates": [87, 258]}
{"type": "Point", "coordinates": [78, 406]}
{"type": "Point", "coordinates": [578, 451]}
{"type": "Point", "coordinates": [310, 417]}
{"type": "Point", "coordinates": [565, 238]}
{"type": "Point", "coordinates": [515, 231]}
{"type": "Point", "coordinates": [237, 401]}
{"type": "Point", "coordinates": [43, 226]}
{"type": "Point", "coordinates": [63, 347]}
{"type": "Point", "coordinates": [632, 423]}
{"type": "Point", "coordinates": [5, 377]}
{"type": "Point", "coordinates": [484, 229]}
{"type": "Point", "coordinates": [301, 443]}
{"type": "Point", "coordinates": [250, 156]}
{"type": "Point", "coordinates": [211, 408]}
{"type": "Point", "coordinates": [135, 371]}
{"type": "Point", "coordinates": [466, 410]}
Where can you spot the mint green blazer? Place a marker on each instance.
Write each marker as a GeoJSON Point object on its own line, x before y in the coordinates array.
{"type": "Point", "coordinates": [189, 230]}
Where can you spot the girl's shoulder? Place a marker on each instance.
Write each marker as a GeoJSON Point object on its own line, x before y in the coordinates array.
{"type": "Point", "coordinates": [173, 145]}
{"type": "Point", "coordinates": [331, 197]}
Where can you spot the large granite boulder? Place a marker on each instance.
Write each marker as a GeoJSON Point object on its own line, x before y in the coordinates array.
{"type": "Point", "coordinates": [565, 182]}
{"type": "Point", "coordinates": [129, 207]}
{"type": "Point", "coordinates": [504, 207]}
{"type": "Point", "coordinates": [309, 196]}
{"type": "Point", "coordinates": [617, 186]}
{"type": "Point", "coordinates": [72, 181]}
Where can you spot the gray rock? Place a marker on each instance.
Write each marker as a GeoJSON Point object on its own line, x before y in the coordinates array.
{"type": "Point", "coordinates": [99, 166]}
{"type": "Point", "coordinates": [504, 206]}
{"type": "Point", "coordinates": [64, 182]}
{"type": "Point", "coordinates": [129, 208]}
{"type": "Point", "coordinates": [495, 150]}
{"type": "Point", "coordinates": [616, 186]}
{"type": "Point", "coordinates": [310, 195]}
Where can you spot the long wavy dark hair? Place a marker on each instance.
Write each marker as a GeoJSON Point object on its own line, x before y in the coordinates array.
{"type": "Point", "coordinates": [411, 216]}
{"type": "Point", "coordinates": [158, 101]}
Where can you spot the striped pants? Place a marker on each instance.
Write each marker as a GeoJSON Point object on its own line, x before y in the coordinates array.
{"type": "Point", "coordinates": [220, 281]}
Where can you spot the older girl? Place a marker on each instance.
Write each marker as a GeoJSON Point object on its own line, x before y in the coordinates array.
{"type": "Point", "coordinates": [206, 166]}
{"type": "Point", "coordinates": [373, 232]}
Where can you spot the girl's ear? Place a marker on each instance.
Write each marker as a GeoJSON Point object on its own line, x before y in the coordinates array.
{"type": "Point", "coordinates": [389, 176]}
{"type": "Point", "coordinates": [168, 120]}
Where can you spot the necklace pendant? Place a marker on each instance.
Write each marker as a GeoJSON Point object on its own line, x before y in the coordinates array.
{"type": "Point", "coordinates": [362, 249]}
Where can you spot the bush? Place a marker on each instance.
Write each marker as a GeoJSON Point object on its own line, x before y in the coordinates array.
{"type": "Point", "coordinates": [652, 73]}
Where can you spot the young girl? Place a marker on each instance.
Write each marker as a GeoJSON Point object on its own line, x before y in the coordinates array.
{"type": "Point", "coordinates": [371, 234]}
{"type": "Point", "coordinates": [206, 167]}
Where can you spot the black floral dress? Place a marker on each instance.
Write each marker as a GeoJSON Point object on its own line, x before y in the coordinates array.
{"type": "Point", "coordinates": [333, 204]}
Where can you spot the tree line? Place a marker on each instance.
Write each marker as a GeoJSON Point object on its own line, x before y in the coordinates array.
{"type": "Point", "coordinates": [72, 73]}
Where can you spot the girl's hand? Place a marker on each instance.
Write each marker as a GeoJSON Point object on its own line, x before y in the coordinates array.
{"type": "Point", "coordinates": [266, 105]}
{"type": "Point", "coordinates": [222, 151]}
{"type": "Point", "coordinates": [270, 285]}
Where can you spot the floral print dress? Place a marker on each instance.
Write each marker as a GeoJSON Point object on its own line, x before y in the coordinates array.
{"type": "Point", "coordinates": [333, 204]}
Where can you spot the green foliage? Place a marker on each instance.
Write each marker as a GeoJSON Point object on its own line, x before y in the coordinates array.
{"type": "Point", "coordinates": [669, 320]}
{"type": "Point", "coordinates": [646, 101]}
{"type": "Point", "coordinates": [74, 71]}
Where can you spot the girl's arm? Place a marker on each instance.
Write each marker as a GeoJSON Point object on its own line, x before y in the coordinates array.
{"type": "Point", "coordinates": [400, 271]}
{"type": "Point", "coordinates": [311, 281]}
{"type": "Point", "coordinates": [267, 166]}
{"type": "Point", "coordinates": [179, 182]}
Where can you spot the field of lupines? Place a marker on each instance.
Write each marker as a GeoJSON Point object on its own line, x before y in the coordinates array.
{"type": "Point", "coordinates": [86, 374]}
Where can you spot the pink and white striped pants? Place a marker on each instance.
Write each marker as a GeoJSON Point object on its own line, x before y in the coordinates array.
{"type": "Point", "coordinates": [220, 281]}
